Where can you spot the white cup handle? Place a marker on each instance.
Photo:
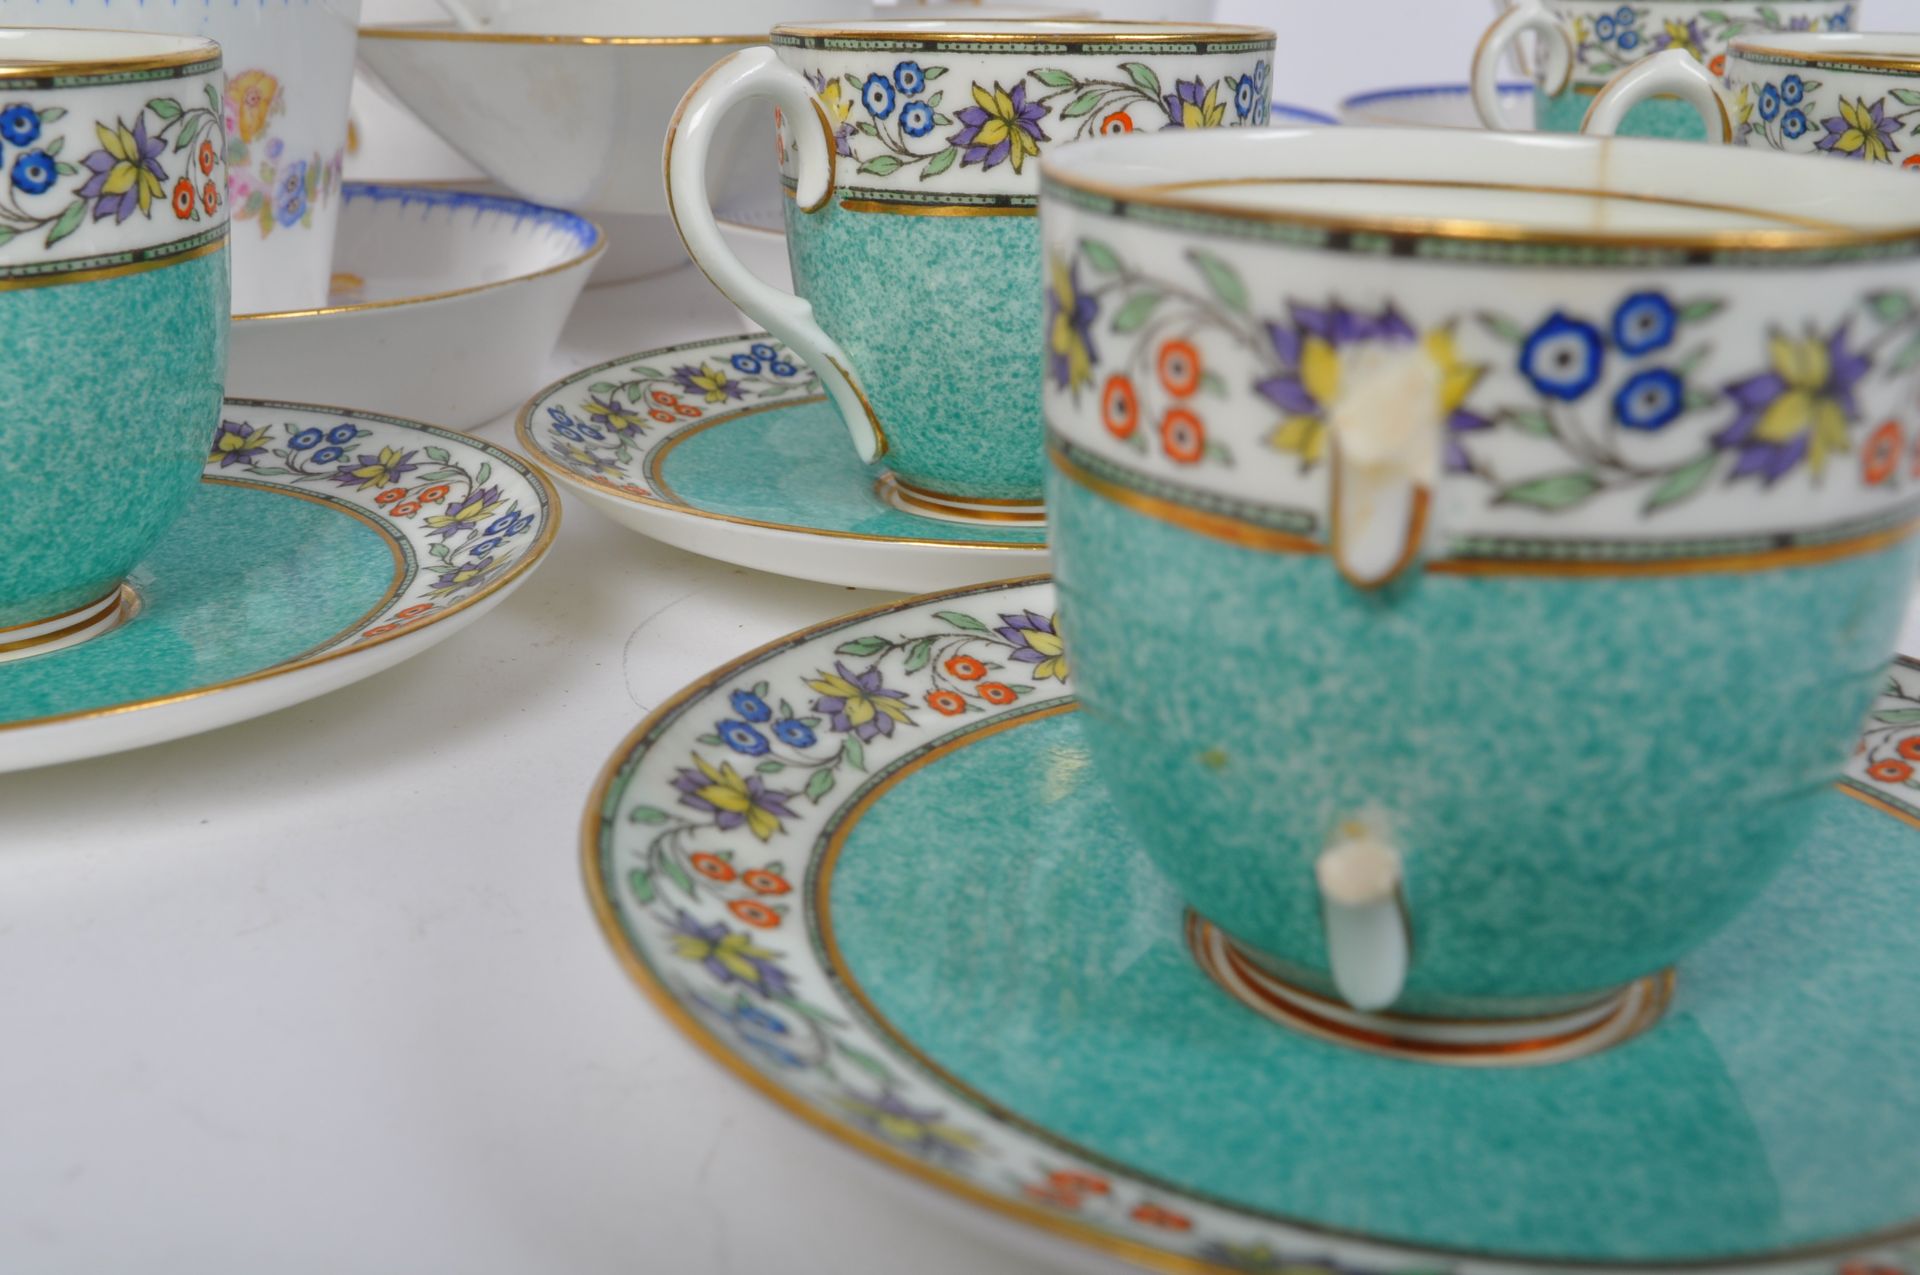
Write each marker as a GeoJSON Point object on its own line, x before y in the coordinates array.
{"type": "Point", "coordinates": [1674, 71]}
{"type": "Point", "coordinates": [757, 73]}
{"type": "Point", "coordinates": [1556, 56]}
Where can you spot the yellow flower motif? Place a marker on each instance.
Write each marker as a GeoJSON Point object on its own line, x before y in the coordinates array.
{"type": "Point", "coordinates": [129, 170]}
{"type": "Point", "coordinates": [712, 383]}
{"type": "Point", "coordinates": [1743, 105]}
{"type": "Point", "coordinates": [726, 791]}
{"type": "Point", "coordinates": [381, 471]}
{"type": "Point", "coordinates": [1003, 124]}
{"type": "Point", "coordinates": [252, 94]}
{"type": "Point", "coordinates": [860, 705]}
{"type": "Point", "coordinates": [1680, 36]}
{"type": "Point", "coordinates": [736, 953]}
{"type": "Point", "coordinates": [1867, 134]}
{"type": "Point", "coordinates": [1187, 109]}
{"type": "Point", "coordinates": [837, 109]}
{"type": "Point", "coordinates": [1069, 355]}
{"type": "Point", "coordinates": [1807, 406]}
{"type": "Point", "coordinates": [1304, 434]}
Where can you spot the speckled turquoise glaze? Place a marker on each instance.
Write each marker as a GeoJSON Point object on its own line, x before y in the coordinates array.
{"type": "Point", "coordinates": [246, 580]}
{"type": "Point", "coordinates": [790, 466]}
{"type": "Point", "coordinates": [112, 390]}
{"type": "Point", "coordinates": [1503, 725]}
{"type": "Point", "coordinates": [914, 300]}
{"type": "Point", "coordinates": [995, 910]}
{"type": "Point", "coordinates": [1662, 117]}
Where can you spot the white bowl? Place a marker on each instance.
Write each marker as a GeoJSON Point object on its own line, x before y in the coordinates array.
{"type": "Point", "coordinates": [1436, 106]}
{"type": "Point", "coordinates": [448, 307]}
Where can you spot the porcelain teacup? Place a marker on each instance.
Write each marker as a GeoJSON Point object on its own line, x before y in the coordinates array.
{"type": "Point", "coordinates": [1584, 42]}
{"type": "Point", "coordinates": [1844, 95]}
{"type": "Point", "coordinates": [289, 69]}
{"type": "Point", "coordinates": [113, 296]}
{"type": "Point", "coordinates": [910, 150]}
{"type": "Point", "coordinates": [1471, 585]}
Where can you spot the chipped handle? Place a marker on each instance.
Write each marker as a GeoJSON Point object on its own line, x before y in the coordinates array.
{"type": "Point", "coordinates": [1674, 71]}
{"type": "Point", "coordinates": [1556, 56]}
{"type": "Point", "coordinates": [1368, 939]}
{"type": "Point", "coordinates": [1388, 434]}
{"type": "Point", "coordinates": [757, 73]}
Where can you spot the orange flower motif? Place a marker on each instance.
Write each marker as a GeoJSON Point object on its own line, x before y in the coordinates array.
{"type": "Point", "coordinates": [997, 693]}
{"type": "Point", "coordinates": [1881, 456]}
{"type": "Point", "coordinates": [1911, 161]}
{"type": "Point", "coordinates": [1179, 368]}
{"type": "Point", "coordinates": [1891, 771]}
{"type": "Point", "coordinates": [758, 915]}
{"type": "Point", "coordinates": [665, 418]}
{"type": "Point", "coordinates": [412, 611]}
{"type": "Point", "coordinates": [1119, 407]}
{"type": "Point", "coordinates": [1909, 748]}
{"type": "Point", "coordinates": [1718, 64]}
{"type": "Point", "coordinates": [1164, 1218]}
{"type": "Point", "coordinates": [946, 703]}
{"type": "Point", "coordinates": [687, 410]}
{"type": "Point", "coordinates": [183, 199]}
{"type": "Point", "coordinates": [206, 159]}
{"type": "Point", "coordinates": [1075, 1180]}
{"type": "Point", "coordinates": [665, 399]}
{"type": "Point", "coordinates": [1054, 1195]}
{"type": "Point", "coordinates": [761, 881]}
{"type": "Point", "coordinates": [712, 866]}
{"type": "Point", "coordinates": [379, 629]}
{"type": "Point", "coordinates": [390, 495]}
{"type": "Point", "coordinates": [1117, 123]}
{"type": "Point", "coordinates": [407, 510]}
{"type": "Point", "coordinates": [210, 198]}
{"type": "Point", "coordinates": [1183, 437]}
{"type": "Point", "coordinates": [252, 94]}
{"type": "Point", "coordinates": [966, 668]}
{"type": "Point", "coordinates": [434, 494]}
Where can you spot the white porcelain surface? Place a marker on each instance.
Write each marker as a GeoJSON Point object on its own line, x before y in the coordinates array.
{"type": "Point", "coordinates": [449, 307]}
{"type": "Point", "coordinates": [1436, 106]}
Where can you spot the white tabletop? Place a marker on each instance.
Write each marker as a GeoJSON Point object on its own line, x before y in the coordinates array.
{"type": "Point", "coordinates": [321, 992]}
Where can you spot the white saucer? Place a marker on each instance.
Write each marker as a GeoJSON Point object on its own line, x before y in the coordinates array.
{"type": "Point", "coordinates": [1437, 106]}
{"type": "Point", "coordinates": [447, 305]}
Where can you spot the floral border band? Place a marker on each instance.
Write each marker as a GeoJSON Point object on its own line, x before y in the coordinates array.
{"type": "Point", "coordinates": [107, 79]}
{"type": "Point", "coordinates": [67, 268]}
{"type": "Point", "coordinates": [1759, 58]}
{"type": "Point", "coordinates": [1062, 45]}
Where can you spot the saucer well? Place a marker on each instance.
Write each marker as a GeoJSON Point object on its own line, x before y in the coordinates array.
{"type": "Point", "coordinates": [447, 305]}
{"type": "Point", "coordinates": [726, 448]}
{"type": "Point", "coordinates": [323, 546]}
{"type": "Point", "coordinates": [871, 870]}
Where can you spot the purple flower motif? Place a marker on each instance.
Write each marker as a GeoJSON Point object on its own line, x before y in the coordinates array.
{"type": "Point", "coordinates": [730, 956]}
{"type": "Point", "coordinates": [384, 470]}
{"type": "Point", "coordinates": [858, 703]}
{"type": "Point", "coordinates": [1861, 132]}
{"type": "Point", "coordinates": [126, 171]}
{"type": "Point", "coordinates": [1070, 316]}
{"type": "Point", "coordinates": [922, 1131]}
{"type": "Point", "coordinates": [733, 799]}
{"type": "Point", "coordinates": [455, 579]}
{"type": "Point", "coordinates": [712, 384]}
{"type": "Point", "coordinates": [1800, 408]}
{"type": "Point", "coordinates": [1309, 350]}
{"type": "Point", "coordinates": [236, 443]}
{"type": "Point", "coordinates": [466, 513]}
{"type": "Point", "coordinates": [1001, 125]}
{"type": "Point", "coordinates": [1036, 640]}
{"type": "Point", "coordinates": [837, 111]}
{"type": "Point", "coordinates": [1192, 104]}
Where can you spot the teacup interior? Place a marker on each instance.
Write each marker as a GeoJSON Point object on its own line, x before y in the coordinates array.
{"type": "Point", "coordinates": [30, 49]}
{"type": "Point", "coordinates": [1888, 46]}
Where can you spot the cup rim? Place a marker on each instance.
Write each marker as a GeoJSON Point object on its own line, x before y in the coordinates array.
{"type": "Point", "coordinates": [451, 34]}
{"type": "Point", "coordinates": [1865, 50]}
{"type": "Point", "coordinates": [164, 52]}
{"type": "Point", "coordinates": [991, 31]}
{"type": "Point", "coordinates": [1099, 168]}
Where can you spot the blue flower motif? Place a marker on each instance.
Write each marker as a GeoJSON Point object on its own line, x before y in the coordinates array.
{"type": "Point", "coordinates": [761, 350]}
{"type": "Point", "coordinates": [1562, 358]}
{"type": "Point", "coordinates": [1838, 21]}
{"type": "Point", "coordinates": [916, 119]}
{"type": "Point", "coordinates": [766, 1033]}
{"type": "Point", "coordinates": [290, 195]}
{"type": "Point", "coordinates": [1244, 96]}
{"type": "Point", "coordinates": [564, 424]}
{"type": "Point", "coordinates": [20, 124]}
{"type": "Point", "coordinates": [745, 363]}
{"type": "Point", "coordinates": [909, 78]}
{"type": "Point", "coordinates": [327, 455]}
{"type": "Point", "coordinates": [783, 369]}
{"type": "Point", "coordinates": [342, 434]}
{"type": "Point", "coordinates": [750, 706]}
{"type": "Point", "coordinates": [34, 172]}
{"type": "Point", "coordinates": [1603, 26]}
{"type": "Point", "coordinates": [306, 438]}
{"type": "Point", "coordinates": [1625, 16]}
{"type": "Point", "coordinates": [1644, 323]}
{"type": "Point", "coordinates": [794, 733]}
{"type": "Point", "coordinates": [878, 97]}
{"type": "Point", "coordinates": [1793, 124]}
{"type": "Point", "coordinates": [1650, 400]}
{"type": "Point", "coordinates": [742, 738]}
{"type": "Point", "coordinates": [1628, 41]}
{"type": "Point", "coordinates": [1792, 89]}
{"type": "Point", "coordinates": [485, 547]}
{"type": "Point", "coordinates": [511, 523]}
{"type": "Point", "coordinates": [1769, 102]}
{"type": "Point", "coordinates": [1260, 73]}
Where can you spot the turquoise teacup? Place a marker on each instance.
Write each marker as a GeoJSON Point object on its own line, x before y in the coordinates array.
{"type": "Point", "coordinates": [113, 299]}
{"type": "Point", "coordinates": [912, 151]}
{"type": "Point", "coordinates": [1472, 585]}
{"type": "Point", "coordinates": [1583, 43]}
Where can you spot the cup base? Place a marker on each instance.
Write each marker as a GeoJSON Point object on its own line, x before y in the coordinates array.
{"type": "Point", "coordinates": [70, 628]}
{"type": "Point", "coordinates": [1533, 1040]}
{"type": "Point", "coordinates": [908, 498]}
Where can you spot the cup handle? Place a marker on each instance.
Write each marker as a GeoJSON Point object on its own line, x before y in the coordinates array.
{"type": "Point", "coordinates": [1673, 71]}
{"type": "Point", "coordinates": [1556, 56]}
{"type": "Point", "coordinates": [757, 73]}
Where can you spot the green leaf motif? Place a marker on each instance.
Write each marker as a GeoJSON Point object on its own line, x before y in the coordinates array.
{"type": "Point", "coordinates": [1504, 328]}
{"type": "Point", "coordinates": [855, 752]}
{"type": "Point", "coordinates": [1898, 717]}
{"type": "Point", "coordinates": [53, 113]}
{"type": "Point", "coordinates": [1055, 79]}
{"type": "Point", "coordinates": [1143, 76]}
{"type": "Point", "coordinates": [820, 785]}
{"type": "Point", "coordinates": [602, 387]}
{"type": "Point", "coordinates": [1907, 97]}
{"type": "Point", "coordinates": [165, 107]}
{"type": "Point", "coordinates": [1890, 307]}
{"type": "Point", "coordinates": [1705, 308]}
{"type": "Point", "coordinates": [1099, 256]}
{"type": "Point", "coordinates": [678, 875]}
{"type": "Point", "coordinates": [1083, 104]}
{"type": "Point", "coordinates": [68, 223]}
{"type": "Point", "coordinates": [771, 767]}
{"type": "Point", "coordinates": [1134, 314]}
{"type": "Point", "coordinates": [1555, 491]}
{"type": "Point", "coordinates": [6, 233]}
{"type": "Point", "coordinates": [860, 648]}
{"type": "Point", "coordinates": [55, 146]}
{"type": "Point", "coordinates": [934, 101]}
{"type": "Point", "coordinates": [188, 134]}
{"type": "Point", "coordinates": [1907, 359]}
{"type": "Point", "coordinates": [919, 655]}
{"type": "Point", "coordinates": [482, 474]}
{"type": "Point", "coordinates": [934, 72]}
{"type": "Point", "coordinates": [440, 454]}
{"type": "Point", "coordinates": [939, 163]}
{"type": "Point", "coordinates": [1682, 482]}
{"type": "Point", "coordinates": [960, 620]}
{"type": "Point", "coordinates": [647, 814]}
{"type": "Point", "coordinates": [863, 1060]}
{"type": "Point", "coordinates": [881, 165]}
{"type": "Point", "coordinates": [868, 129]}
{"type": "Point", "coordinates": [1222, 278]}
{"type": "Point", "coordinates": [641, 884]}
{"type": "Point", "coordinates": [648, 373]}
